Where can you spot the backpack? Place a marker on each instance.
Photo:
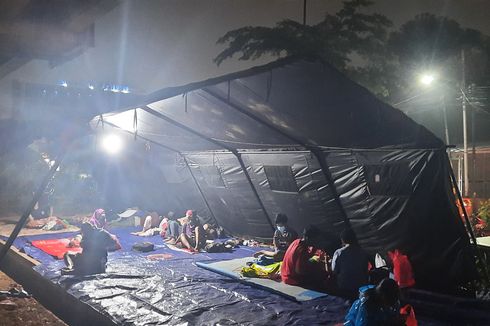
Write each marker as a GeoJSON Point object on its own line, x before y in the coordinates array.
{"type": "Point", "coordinates": [144, 246]}
{"type": "Point", "coordinates": [217, 247]}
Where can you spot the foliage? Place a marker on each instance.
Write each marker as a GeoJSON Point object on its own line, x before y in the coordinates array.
{"type": "Point", "coordinates": [429, 39]}
{"type": "Point", "coordinates": [21, 171]}
{"type": "Point", "coordinates": [434, 43]}
{"type": "Point", "coordinates": [385, 63]}
{"type": "Point", "coordinates": [71, 190]}
{"type": "Point", "coordinates": [484, 211]}
{"type": "Point", "coordinates": [334, 39]}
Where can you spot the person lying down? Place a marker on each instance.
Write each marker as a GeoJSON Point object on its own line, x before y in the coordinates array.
{"type": "Point", "coordinates": [152, 225]}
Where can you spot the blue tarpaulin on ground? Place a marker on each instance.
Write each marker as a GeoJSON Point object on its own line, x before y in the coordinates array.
{"type": "Point", "coordinates": [136, 290]}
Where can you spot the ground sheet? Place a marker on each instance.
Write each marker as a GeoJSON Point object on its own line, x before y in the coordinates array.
{"type": "Point", "coordinates": [232, 268]}
{"type": "Point", "coordinates": [166, 287]}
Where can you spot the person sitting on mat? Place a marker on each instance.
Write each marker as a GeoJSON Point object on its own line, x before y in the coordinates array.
{"type": "Point", "coordinates": [92, 260]}
{"type": "Point", "coordinates": [164, 224]}
{"type": "Point", "coordinates": [350, 265]}
{"type": "Point", "coordinates": [210, 232]}
{"type": "Point", "coordinates": [298, 267]}
{"type": "Point", "coordinates": [174, 228]}
{"type": "Point", "coordinates": [377, 305]}
{"type": "Point", "coordinates": [98, 221]}
{"type": "Point", "coordinates": [151, 226]}
{"type": "Point", "coordinates": [283, 237]}
{"type": "Point", "coordinates": [193, 236]}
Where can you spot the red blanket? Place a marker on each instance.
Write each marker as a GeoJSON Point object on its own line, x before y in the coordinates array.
{"type": "Point", "coordinates": [55, 247]}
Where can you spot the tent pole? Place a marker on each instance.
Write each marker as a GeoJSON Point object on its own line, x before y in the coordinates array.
{"type": "Point", "coordinates": [461, 202]}
{"type": "Point", "coordinates": [199, 188]}
{"type": "Point", "coordinates": [467, 220]}
{"type": "Point", "coordinates": [30, 207]}
{"type": "Point", "coordinates": [313, 149]}
{"type": "Point", "coordinates": [185, 160]}
{"type": "Point", "coordinates": [219, 144]}
{"type": "Point", "coordinates": [247, 175]}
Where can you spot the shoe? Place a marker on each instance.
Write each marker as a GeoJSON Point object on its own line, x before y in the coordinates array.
{"type": "Point", "coordinates": [67, 271]}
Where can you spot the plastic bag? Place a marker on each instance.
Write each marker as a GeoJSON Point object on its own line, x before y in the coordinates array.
{"type": "Point", "coordinates": [402, 269]}
{"type": "Point", "coordinates": [379, 261]}
{"type": "Point", "coordinates": [408, 312]}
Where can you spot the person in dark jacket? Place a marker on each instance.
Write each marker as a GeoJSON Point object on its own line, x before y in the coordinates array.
{"type": "Point", "coordinates": [350, 265]}
{"type": "Point", "coordinates": [377, 306]}
{"type": "Point", "coordinates": [92, 260]}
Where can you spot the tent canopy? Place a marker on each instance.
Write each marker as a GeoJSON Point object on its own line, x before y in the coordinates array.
{"type": "Point", "coordinates": [285, 103]}
{"type": "Point", "coordinates": [297, 136]}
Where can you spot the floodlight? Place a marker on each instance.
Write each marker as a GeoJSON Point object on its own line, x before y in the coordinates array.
{"type": "Point", "coordinates": [427, 79]}
{"type": "Point", "coordinates": [112, 143]}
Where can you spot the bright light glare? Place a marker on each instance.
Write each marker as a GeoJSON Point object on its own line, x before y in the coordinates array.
{"type": "Point", "coordinates": [427, 79]}
{"type": "Point", "coordinates": [124, 120]}
{"type": "Point", "coordinates": [112, 144]}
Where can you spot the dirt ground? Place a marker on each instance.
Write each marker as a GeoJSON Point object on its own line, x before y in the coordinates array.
{"type": "Point", "coordinates": [27, 312]}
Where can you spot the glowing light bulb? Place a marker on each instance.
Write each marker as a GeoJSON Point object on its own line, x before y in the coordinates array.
{"type": "Point", "coordinates": [112, 144]}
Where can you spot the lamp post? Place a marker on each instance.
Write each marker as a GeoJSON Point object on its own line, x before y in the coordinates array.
{"type": "Point", "coordinates": [428, 79]}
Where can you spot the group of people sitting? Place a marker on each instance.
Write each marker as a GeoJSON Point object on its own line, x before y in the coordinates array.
{"type": "Point", "coordinates": [96, 241]}
{"type": "Point", "coordinates": [308, 262]}
{"type": "Point", "coordinates": [187, 231]}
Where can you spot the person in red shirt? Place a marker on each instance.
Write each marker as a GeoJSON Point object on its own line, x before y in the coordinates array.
{"type": "Point", "coordinates": [297, 266]}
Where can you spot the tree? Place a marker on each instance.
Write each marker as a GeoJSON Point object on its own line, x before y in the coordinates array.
{"type": "Point", "coordinates": [430, 42]}
{"type": "Point", "coordinates": [336, 39]}
{"type": "Point", "coordinates": [386, 63]}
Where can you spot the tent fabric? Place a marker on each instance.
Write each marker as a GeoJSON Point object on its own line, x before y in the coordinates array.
{"type": "Point", "coordinates": [310, 100]}
{"type": "Point", "coordinates": [296, 136]}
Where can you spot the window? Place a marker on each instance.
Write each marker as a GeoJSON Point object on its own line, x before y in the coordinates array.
{"type": "Point", "coordinates": [212, 176]}
{"type": "Point", "coordinates": [388, 179]}
{"type": "Point", "coordinates": [281, 178]}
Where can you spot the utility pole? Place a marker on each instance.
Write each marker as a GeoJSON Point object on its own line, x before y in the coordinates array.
{"type": "Point", "coordinates": [465, 126]}
{"type": "Point", "coordinates": [446, 129]}
{"type": "Point", "coordinates": [304, 12]}
{"type": "Point", "coordinates": [473, 149]}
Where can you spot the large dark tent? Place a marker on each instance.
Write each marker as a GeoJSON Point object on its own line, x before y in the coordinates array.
{"type": "Point", "coordinates": [297, 136]}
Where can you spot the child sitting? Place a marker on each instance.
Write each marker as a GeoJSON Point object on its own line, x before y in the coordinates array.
{"type": "Point", "coordinates": [283, 237]}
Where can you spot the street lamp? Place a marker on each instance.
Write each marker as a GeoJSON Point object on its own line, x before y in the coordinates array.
{"type": "Point", "coordinates": [427, 79]}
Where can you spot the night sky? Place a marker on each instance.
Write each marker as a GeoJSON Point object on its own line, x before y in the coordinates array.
{"type": "Point", "coordinates": [149, 45]}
